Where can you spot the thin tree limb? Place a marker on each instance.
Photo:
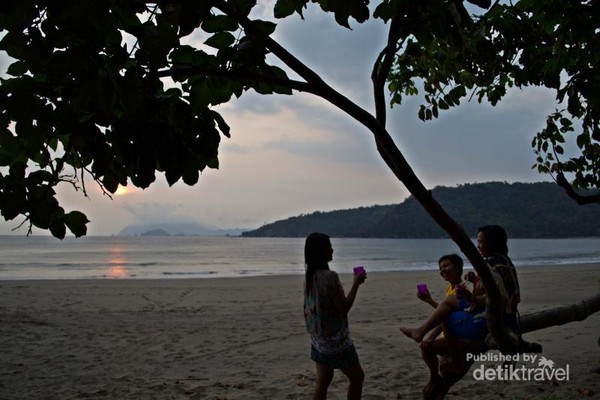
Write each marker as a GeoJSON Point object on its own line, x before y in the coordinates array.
{"type": "Point", "coordinates": [237, 75]}
{"type": "Point", "coordinates": [382, 68]}
{"type": "Point", "coordinates": [579, 199]}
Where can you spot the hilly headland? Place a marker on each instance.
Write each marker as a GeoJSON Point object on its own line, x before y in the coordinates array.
{"type": "Point", "coordinates": [526, 210]}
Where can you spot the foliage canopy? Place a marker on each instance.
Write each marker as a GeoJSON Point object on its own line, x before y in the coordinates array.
{"type": "Point", "coordinates": [108, 90]}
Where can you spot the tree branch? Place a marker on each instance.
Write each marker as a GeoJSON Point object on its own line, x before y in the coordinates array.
{"type": "Point", "coordinates": [309, 75]}
{"type": "Point", "coordinates": [579, 199]}
{"type": "Point", "coordinates": [560, 315]}
{"type": "Point", "coordinates": [382, 68]}
{"type": "Point", "coordinates": [237, 75]}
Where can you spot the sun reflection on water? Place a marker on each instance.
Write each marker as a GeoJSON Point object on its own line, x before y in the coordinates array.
{"type": "Point", "coordinates": [116, 262]}
{"type": "Point", "coordinates": [116, 271]}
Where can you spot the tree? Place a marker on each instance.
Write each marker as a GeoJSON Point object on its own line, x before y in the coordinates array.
{"type": "Point", "coordinates": [105, 89]}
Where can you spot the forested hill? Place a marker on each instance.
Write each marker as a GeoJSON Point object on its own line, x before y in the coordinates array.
{"type": "Point", "coordinates": [526, 210]}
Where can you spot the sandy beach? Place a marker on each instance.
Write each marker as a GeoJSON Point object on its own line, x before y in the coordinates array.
{"type": "Point", "coordinates": [244, 338]}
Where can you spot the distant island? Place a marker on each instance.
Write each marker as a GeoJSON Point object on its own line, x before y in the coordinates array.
{"type": "Point", "coordinates": [176, 229]}
{"type": "Point", "coordinates": [156, 232]}
{"type": "Point", "coordinates": [526, 210]}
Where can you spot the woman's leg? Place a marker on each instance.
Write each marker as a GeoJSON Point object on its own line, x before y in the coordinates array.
{"type": "Point", "coordinates": [430, 353]}
{"type": "Point", "coordinates": [356, 376]}
{"type": "Point", "coordinates": [438, 316]}
{"type": "Point", "coordinates": [430, 356]}
{"type": "Point", "coordinates": [324, 377]}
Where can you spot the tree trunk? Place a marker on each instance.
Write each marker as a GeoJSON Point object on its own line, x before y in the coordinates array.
{"type": "Point", "coordinates": [560, 315]}
{"type": "Point", "coordinates": [397, 163]}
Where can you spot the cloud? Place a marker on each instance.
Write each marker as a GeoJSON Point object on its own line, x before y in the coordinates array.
{"type": "Point", "coordinates": [143, 212]}
{"type": "Point", "coordinates": [299, 126]}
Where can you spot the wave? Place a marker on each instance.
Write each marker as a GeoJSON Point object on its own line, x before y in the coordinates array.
{"type": "Point", "coordinates": [202, 258]}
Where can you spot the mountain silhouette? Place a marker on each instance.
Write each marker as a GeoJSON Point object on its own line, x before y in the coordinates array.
{"type": "Point", "coordinates": [525, 210]}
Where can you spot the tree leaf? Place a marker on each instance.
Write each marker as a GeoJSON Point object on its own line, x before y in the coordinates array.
{"type": "Point", "coordinates": [58, 229]}
{"type": "Point", "coordinates": [17, 68]}
{"type": "Point", "coordinates": [76, 222]}
{"type": "Point", "coordinates": [285, 8]}
{"type": "Point", "coordinates": [220, 40]}
{"type": "Point", "coordinates": [219, 23]}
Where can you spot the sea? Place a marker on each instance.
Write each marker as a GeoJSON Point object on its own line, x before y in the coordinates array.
{"type": "Point", "coordinates": [121, 257]}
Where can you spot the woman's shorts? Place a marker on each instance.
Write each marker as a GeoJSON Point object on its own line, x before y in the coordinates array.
{"type": "Point", "coordinates": [342, 360]}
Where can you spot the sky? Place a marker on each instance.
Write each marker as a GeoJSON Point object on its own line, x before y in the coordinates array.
{"type": "Point", "coordinates": [291, 155]}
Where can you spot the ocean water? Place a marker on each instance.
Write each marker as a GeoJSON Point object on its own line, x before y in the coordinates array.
{"type": "Point", "coordinates": [42, 257]}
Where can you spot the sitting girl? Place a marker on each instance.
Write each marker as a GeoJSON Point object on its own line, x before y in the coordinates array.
{"type": "Point", "coordinates": [463, 314]}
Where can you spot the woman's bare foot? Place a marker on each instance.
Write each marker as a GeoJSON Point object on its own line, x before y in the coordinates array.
{"type": "Point", "coordinates": [415, 334]}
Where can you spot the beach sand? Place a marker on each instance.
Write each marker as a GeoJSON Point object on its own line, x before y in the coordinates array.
{"type": "Point", "coordinates": [244, 338]}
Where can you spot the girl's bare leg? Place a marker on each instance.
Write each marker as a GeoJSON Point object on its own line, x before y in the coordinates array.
{"type": "Point", "coordinates": [356, 376]}
{"type": "Point", "coordinates": [324, 377]}
{"type": "Point", "coordinates": [430, 356]}
{"type": "Point", "coordinates": [438, 316]}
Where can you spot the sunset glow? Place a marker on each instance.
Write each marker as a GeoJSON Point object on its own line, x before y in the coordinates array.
{"type": "Point", "coordinates": [122, 190]}
{"type": "Point", "coordinates": [116, 272]}
{"type": "Point", "coordinates": [116, 261]}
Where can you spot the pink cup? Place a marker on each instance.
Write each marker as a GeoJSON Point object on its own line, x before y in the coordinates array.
{"type": "Point", "coordinates": [359, 270]}
{"type": "Point", "coordinates": [421, 288]}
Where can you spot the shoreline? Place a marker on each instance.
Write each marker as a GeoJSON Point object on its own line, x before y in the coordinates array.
{"type": "Point", "coordinates": [210, 277]}
{"type": "Point", "coordinates": [244, 339]}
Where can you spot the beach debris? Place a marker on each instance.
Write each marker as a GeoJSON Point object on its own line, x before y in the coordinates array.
{"type": "Point", "coordinates": [301, 380]}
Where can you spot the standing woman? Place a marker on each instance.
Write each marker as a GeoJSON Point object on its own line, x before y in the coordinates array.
{"type": "Point", "coordinates": [326, 309]}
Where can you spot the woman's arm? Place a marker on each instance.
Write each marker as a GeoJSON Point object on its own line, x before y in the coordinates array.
{"type": "Point", "coordinates": [426, 298]}
{"type": "Point", "coordinates": [344, 302]}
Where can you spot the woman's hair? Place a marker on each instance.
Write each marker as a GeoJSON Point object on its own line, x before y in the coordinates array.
{"type": "Point", "coordinates": [455, 260]}
{"type": "Point", "coordinates": [317, 253]}
{"type": "Point", "coordinates": [495, 238]}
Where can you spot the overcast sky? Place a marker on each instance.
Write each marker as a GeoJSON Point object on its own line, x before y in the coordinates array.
{"type": "Point", "coordinates": [289, 155]}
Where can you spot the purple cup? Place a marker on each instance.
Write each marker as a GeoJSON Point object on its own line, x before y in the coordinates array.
{"type": "Point", "coordinates": [359, 270]}
{"type": "Point", "coordinates": [421, 288]}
